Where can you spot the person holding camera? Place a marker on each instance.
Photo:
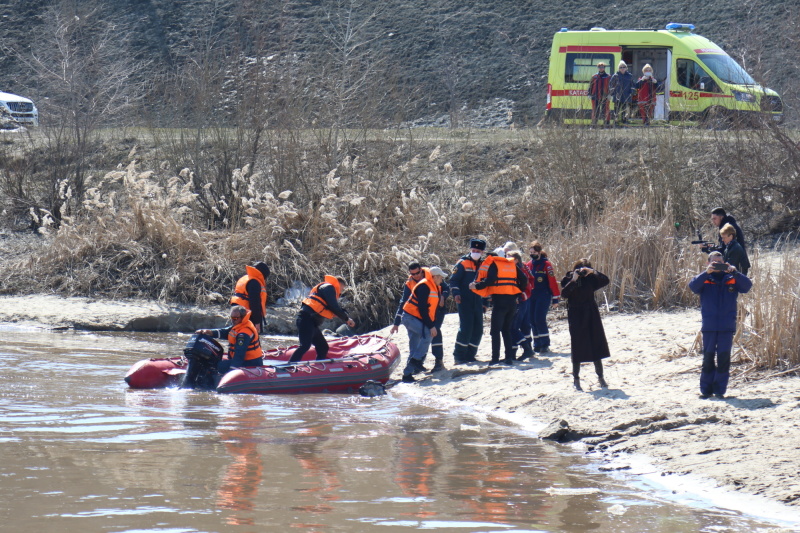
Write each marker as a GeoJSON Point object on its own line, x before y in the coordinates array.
{"type": "Point", "coordinates": [588, 338]}
{"type": "Point", "coordinates": [719, 286]}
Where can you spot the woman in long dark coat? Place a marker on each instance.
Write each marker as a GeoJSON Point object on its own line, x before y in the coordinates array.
{"type": "Point", "coordinates": [585, 326]}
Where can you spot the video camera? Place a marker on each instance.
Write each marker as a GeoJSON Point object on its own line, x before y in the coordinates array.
{"type": "Point", "coordinates": [708, 246]}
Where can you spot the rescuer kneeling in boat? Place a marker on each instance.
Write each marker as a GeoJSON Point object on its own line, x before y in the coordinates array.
{"type": "Point", "coordinates": [322, 302]}
{"type": "Point", "coordinates": [244, 347]}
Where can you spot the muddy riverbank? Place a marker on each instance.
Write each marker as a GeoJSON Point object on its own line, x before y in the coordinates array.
{"type": "Point", "coordinates": [748, 442]}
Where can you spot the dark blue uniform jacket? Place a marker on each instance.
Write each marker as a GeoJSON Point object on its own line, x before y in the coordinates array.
{"type": "Point", "coordinates": [718, 294]}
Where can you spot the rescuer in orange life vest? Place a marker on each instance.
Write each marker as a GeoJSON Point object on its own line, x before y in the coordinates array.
{"type": "Point", "coordinates": [322, 302]}
{"type": "Point", "coordinates": [244, 347]}
{"type": "Point", "coordinates": [503, 281]}
{"type": "Point", "coordinates": [251, 293]}
{"type": "Point", "coordinates": [419, 318]}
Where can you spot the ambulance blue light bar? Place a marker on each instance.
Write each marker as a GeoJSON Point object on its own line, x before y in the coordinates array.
{"type": "Point", "coordinates": [674, 26]}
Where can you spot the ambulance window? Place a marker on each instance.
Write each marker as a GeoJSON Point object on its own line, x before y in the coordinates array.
{"type": "Point", "coordinates": [692, 75]}
{"type": "Point", "coordinates": [581, 67]}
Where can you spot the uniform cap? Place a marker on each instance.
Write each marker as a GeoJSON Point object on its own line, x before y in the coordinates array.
{"type": "Point", "coordinates": [480, 244]}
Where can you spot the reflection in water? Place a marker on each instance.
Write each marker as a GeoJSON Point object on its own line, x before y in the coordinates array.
{"type": "Point", "coordinates": [81, 452]}
{"type": "Point", "coordinates": [239, 486]}
{"type": "Point", "coordinates": [417, 462]}
{"type": "Point", "coordinates": [319, 476]}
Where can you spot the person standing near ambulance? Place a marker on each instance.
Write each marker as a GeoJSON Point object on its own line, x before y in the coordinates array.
{"type": "Point", "coordinates": [621, 88]}
{"type": "Point", "coordinates": [470, 305]}
{"type": "Point", "coordinates": [598, 94]}
{"type": "Point", "coordinates": [647, 87]}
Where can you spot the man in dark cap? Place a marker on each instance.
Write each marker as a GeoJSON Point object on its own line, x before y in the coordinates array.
{"type": "Point", "coordinates": [251, 293]}
{"type": "Point", "coordinates": [470, 305]}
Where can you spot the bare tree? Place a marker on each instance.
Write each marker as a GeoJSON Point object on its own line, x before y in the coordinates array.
{"type": "Point", "coordinates": [353, 69]}
{"type": "Point", "coordinates": [85, 78]}
{"type": "Point", "coordinates": [451, 64]}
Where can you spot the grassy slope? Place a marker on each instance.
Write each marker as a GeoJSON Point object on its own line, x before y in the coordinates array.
{"type": "Point", "coordinates": [441, 49]}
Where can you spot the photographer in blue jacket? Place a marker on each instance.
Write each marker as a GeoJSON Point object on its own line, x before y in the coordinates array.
{"type": "Point", "coordinates": [719, 287]}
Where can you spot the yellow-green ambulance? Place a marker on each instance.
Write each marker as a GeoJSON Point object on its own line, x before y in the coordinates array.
{"type": "Point", "coordinates": [700, 82]}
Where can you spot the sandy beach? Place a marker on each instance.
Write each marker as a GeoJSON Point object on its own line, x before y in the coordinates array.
{"type": "Point", "coordinates": [748, 442]}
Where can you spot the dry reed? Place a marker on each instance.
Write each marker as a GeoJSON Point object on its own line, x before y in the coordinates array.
{"type": "Point", "coordinates": [147, 234]}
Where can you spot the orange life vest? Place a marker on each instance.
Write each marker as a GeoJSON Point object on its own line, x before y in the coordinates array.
{"type": "Point", "coordinates": [317, 302]}
{"type": "Point", "coordinates": [411, 306]}
{"type": "Point", "coordinates": [506, 282]}
{"type": "Point", "coordinates": [240, 292]}
{"type": "Point", "coordinates": [246, 327]}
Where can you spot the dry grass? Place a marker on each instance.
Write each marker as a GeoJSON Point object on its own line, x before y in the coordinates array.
{"type": "Point", "coordinates": [769, 333]}
{"type": "Point", "coordinates": [614, 197]}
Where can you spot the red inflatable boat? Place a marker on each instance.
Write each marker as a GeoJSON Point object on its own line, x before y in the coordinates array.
{"type": "Point", "coordinates": [352, 361]}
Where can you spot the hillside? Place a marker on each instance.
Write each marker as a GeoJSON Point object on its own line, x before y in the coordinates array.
{"type": "Point", "coordinates": [418, 58]}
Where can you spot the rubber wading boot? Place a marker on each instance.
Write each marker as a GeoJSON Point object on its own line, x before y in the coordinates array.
{"type": "Point", "coordinates": [527, 351]}
{"type": "Point", "coordinates": [438, 365]}
{"type": "Point", "coordinates": [419, 368]}
{"type": "Point", "coordinates": [603, 383]}
{"type": "Point", "coordinates": [577, 384]}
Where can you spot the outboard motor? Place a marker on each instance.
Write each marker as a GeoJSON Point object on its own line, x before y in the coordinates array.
{"type": "Point", "coordinates": [203, 354]}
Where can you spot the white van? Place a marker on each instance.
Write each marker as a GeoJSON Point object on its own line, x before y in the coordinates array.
{"type": "Point", "coordinates": [21, 109]}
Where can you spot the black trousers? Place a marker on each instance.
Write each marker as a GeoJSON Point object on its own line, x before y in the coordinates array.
{"type": "Point", "coordinates": [504, 308]}
{"type": "Point", "coordinates": [598, 367]}
{"type": "Point", "coordinates": [309, 333]}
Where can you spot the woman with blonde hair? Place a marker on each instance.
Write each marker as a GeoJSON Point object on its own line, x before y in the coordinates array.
{"type": "Point", "coordinates": [647, 87]}
{"type": "Point", "coordinates": [733, 253]}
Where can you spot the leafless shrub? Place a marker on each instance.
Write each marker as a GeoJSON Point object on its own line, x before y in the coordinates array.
{"type": "Point", "coordinates": [769, 331]}
{"type": "Point", "coordinates": [616, 200]}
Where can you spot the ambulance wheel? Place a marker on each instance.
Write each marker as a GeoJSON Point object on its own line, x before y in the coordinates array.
{"type": "Point", "coordinates": [717, 118]}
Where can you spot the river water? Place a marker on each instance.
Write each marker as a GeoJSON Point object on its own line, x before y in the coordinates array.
{"type": "Point", "coordinates": [81, 452]}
